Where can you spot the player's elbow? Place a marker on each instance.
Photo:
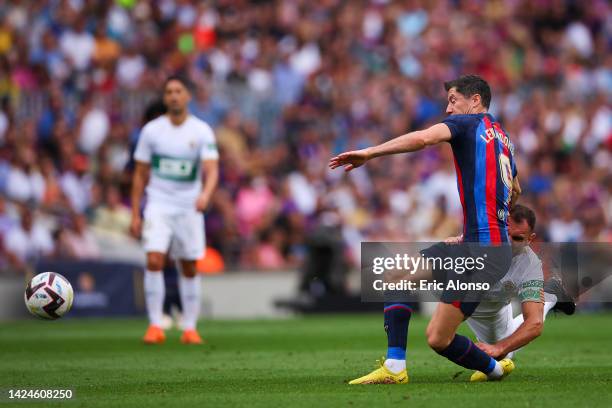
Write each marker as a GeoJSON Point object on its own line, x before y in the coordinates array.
{"type": "Point", "coordinates": [418, 141]}
{"type": "Point", "coordinates": [428, 138]}
{"type": "Point", "coordinates": [138, 177]}
{"type": "Point", "coordinates": [516, 189]}
{"type": "Point", "coordinates": [536, 327]}
{"type": "Point", "coordinates": [516, 193]}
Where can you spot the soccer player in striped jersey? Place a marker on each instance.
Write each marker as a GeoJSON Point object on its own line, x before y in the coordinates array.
{"type": "Point", "coordinates": [488, 186]}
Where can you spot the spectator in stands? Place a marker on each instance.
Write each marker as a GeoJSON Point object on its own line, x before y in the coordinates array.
{"type": "Point", "coordinates": [76, 183]}
{"type": "Point", "coordinates": [286, 84]}
{"type": "Point", "coordinates": [28, 241]}
{"type": "Point", "coordinates": [24, 183]}
{"type": "Point", "coordinates": [78, 241]}
{"type": "Point", "coordinates": [113, 216]}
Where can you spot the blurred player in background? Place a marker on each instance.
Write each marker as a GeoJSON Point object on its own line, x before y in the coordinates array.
{"type": "Point", "coordinates": [177, 160]}
{"type": "Point", "coordinates": [488, 187]}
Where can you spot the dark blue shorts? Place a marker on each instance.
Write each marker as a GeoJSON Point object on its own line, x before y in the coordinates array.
{"type": "Point", "coordinates": [488, 266]}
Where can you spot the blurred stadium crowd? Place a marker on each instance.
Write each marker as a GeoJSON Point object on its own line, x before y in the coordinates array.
{"type": "Point", "coordinates": [286, 84]}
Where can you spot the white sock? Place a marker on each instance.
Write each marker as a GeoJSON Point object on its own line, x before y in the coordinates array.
{"type": "Point", "coordinates": [517, 321]}
{"type": "Point", "coordinates": [498, 371]}
{"type": "Point", "coordinates": [155, 291]}
{"type": "Point", "coordinates": [551, 301]}
{"type": "Point", "coordinates": [189, 289]}
{"type": "Point", "coordinates": [395, 366]}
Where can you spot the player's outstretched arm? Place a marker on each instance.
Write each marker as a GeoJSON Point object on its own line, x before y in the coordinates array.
{"type": "Point", "coordinates": [533, 314]}
{"type": "Point", "coordinates": [139, 181]}
{"type": "Point", "coordinates": [410, 142]}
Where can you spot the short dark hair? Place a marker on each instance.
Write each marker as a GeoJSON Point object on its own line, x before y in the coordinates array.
{"type": "Point", "coordinates": [180, 78]}
{"type": "Point", "coordinates": [520, 213]}
{"type": "Point", "coordinates": [154, 110]}
{"type": "Point", "coordinates": [469, 85]}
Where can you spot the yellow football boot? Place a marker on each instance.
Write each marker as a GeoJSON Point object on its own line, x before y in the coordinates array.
{"type": "Point", "coordinates": [382, 376]}
{"type": "Point", "coordinates": [507, 365]}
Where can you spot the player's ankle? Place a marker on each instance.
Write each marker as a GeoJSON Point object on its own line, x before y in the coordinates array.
{"type": "Point", "coordinates": [395, 366]}
{"type": "Point", "coordinates": [497, 372]}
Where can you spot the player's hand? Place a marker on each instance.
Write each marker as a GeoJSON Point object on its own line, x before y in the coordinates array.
{"type": "Point", "coordinates": [136, 227]}
{"type": "Point", "coordinates": [491, 349]}
{"type": "Point", "coordinates": [202, 202]}
{"type": "Point", "coordinates": [454, 240]}
{"type": "Point", "coordinates": [351, 160]}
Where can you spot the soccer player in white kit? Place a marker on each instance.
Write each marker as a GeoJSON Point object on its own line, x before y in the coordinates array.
{"type": "Point", "coordinates": [177, 160]}
{"type": "Point", "coordinates": [499, 333]}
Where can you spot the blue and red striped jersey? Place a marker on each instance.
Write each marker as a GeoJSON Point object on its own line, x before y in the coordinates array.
{"type": "Point", "coordinates": [484, 161]}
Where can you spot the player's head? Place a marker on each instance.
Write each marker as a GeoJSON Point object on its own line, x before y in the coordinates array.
{"type": "Point", "coordinates": [176, 94]}
{"type": "Point", "coordinates": [521, 225]}
{"type": "Point", "coordinates": [467, 94]}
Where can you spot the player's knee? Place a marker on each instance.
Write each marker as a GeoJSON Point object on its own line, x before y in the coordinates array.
{"type": "Point", "coordinates": [188, 269]}
{"type": "Point", "coordinates": [437, 341]}
{"type": "Point", "coordinates": [155, 262]}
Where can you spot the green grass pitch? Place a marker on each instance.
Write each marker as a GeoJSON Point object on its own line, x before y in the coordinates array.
{"type": "Point", "coordinates": [303, 362]}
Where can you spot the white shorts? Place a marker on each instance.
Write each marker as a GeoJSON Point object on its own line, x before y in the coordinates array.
{"type": "Point", "coordinates": [491, 329]}
{"type": "Point", "coordinates": [178, 230]}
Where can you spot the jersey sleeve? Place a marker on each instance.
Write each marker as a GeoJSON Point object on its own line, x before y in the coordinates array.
{"type": "Point", "coordinates": [531, 288]}
{"type": "Point", "coordinates": [457, 125]}
{"type": "Point", "coordinates": [514, 169]}
{"type": "Point", "coordinates": [209, 146]}
{"type": "Point", "coordinates": [143, 150]}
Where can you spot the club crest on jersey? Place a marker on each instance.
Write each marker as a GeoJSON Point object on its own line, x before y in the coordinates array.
{"type": "Point", "coordinates": [508, 287]}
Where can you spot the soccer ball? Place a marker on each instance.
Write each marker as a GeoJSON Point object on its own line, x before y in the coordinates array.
{"type": "Point", "coordinates": [49, 295]}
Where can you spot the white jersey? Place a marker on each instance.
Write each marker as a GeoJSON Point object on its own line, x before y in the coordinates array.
{"type": "Point", "coordinates": [175, 154]}
{"type": "Point", "coordinates": [524, 280]}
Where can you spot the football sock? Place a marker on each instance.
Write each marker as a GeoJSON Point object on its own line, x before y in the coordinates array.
{"type": "Point", "coordinates": [497, 371]}
{"type": "Point", "coordinates": [397, 319]}
{"type": "Point", "coordinates": [154, 289]}
{"type": "Point", "coordinates": [551, 301]}
{"type": "Point", "coordinates": [463, 351]}
{"type": "Point", "coordinates": [517, 321]}
{"type": "Point", "coordinates": [189, 289]}
{"type": "Point", "coordinates": [395, 366]}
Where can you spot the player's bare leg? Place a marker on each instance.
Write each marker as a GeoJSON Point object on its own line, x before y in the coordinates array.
{"type": "Point", "coordinates": [189, 288]}
{"type": "Point", "coordinates": [443, 326]}
{"type": "Point", "coordinates": [155, 291]}
{"type": "Point", "coordinates": [442, 338]}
